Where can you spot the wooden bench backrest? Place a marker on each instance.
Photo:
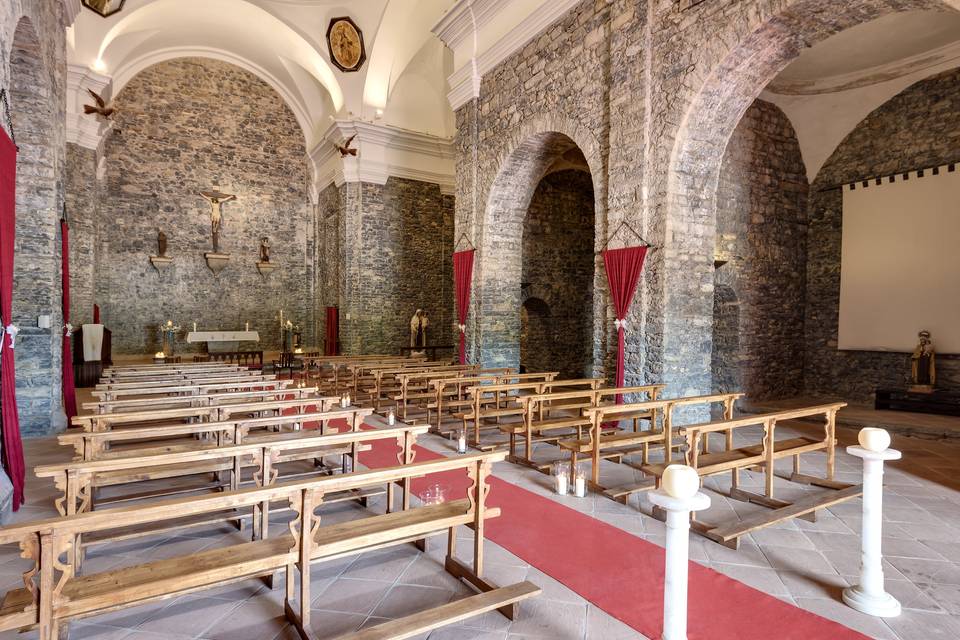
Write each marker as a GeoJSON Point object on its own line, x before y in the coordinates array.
{"type": "Point", "coordinates": [197, 400]}
{"type": "Point", "coordinates": [543, 376]}
{"type": "Point", "coordinates": [324, 402]}
{"type": "Point", "coordinates": [155, 384]}
{"type": "Point", "coordinates": [761, 418]}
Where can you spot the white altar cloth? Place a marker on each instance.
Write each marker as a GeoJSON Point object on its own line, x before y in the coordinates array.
{"type": "Point", "coordinates": [223, 336]}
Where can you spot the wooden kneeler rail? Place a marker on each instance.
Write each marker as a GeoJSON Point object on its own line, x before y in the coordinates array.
{"type": "Point", "coordinates": [764, 455]}
{"type": "Point", "coordinates": [54, 593]}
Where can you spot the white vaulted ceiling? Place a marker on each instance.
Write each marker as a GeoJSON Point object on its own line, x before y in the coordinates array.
{"type": "Point", "coordinates": [284, 43]}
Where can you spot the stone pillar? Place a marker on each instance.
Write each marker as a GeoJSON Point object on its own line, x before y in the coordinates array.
{"type": "Point", "coordinates": [869, 596]}
{"type": "Point", "coordinates": [678, 504]}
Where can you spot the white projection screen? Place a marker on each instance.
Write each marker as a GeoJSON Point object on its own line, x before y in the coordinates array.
{"type": "Point", "coordinates": [900, 269]}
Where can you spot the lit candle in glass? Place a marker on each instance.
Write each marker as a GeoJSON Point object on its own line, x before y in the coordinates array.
{"type": "Point", "coordinates": [560, 477]}
{"type": "Point", "coordinates": [579, 482]}
{"type": "Point", "coordinates": [462, 441]}
{"type": "Point", "coordinates": [391, 418]}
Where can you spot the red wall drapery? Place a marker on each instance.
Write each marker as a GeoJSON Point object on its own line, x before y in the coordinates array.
{"type": "Point", "coordinates": [462, 279]}
{"type": "Point", "coordinates": [69, 395]}
{"type": "Point", "coordinates": [96, 314]}
{"type": "Point", "coordinates": [12, 446]}
{"type": "Point", "coordinates": [333, 331]}
{"type": "Point", "coordinates": [623, 267]}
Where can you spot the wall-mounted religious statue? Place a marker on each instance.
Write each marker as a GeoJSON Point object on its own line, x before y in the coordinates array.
{"type": "Point", "coordinates": [418, 328]}
{"type": "Point", "coordinates": [345, 44]}
{"type": "Point", "coordinates": [216, 199]}
{"type": "Point", "coordinates": [161, 261]}
{"type": "Point", "coordinates": [264, 249]}
{"type": "Point", "coordinates": [923, 364]}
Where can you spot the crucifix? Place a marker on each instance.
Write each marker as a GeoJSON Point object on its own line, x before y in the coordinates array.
{"type": "Point", "coordinates": [216, 199]}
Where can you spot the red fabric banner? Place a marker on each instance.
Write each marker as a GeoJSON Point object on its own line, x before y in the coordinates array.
{"type": "Point", "coordinates": [333, 332]}
{"type": "Point", "coordinates": [69, 394]}
{"type": "Point", "coordinates": [12, 446]}
{"type": "Point", "coordinates": [96, 314]}
{"type": "Point", "coordinates": [462, 280]}
{"type": "Point", "coordinates": [623, 267]}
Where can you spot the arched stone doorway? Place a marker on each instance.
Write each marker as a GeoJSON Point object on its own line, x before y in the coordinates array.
{"type": "Point", "coordinates": [722, 99]}
{"type": "Point", "coordinates": [36, 285]}
{"type": "Point", "coordinates": [560, 155]}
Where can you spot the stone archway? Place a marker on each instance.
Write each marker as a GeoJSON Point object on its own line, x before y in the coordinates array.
{"type": "Point", "coordinates": [697, 156]}
{"type": "Point", "coordinates": [36, 285]}
{"type": "Point", "coordinates": [527, 159]}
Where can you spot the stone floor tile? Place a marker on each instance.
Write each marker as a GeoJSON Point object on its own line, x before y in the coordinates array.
{"type": "Point", "coordinates": [188, 617]}
{"type": "Point", "coordinates": [348, 595]}
{"type": "Point", "coordinates": [543, 618]}
{"type": "Point", "coordinates": [407, 599]}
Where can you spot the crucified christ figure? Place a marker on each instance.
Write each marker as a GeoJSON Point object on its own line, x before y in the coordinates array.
{"type": "Point", "coordinates": [216, 199]}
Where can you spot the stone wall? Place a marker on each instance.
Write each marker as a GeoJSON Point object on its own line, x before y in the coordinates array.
{"type": "Point", "coordinates": [33, 70]}
{"type": "Point", "coordinates": [651, 93]}
{"type": "Point", "coordinates": [185, 125]}
{"type": "Point", "coordinates": [761, 253]}
{"type": "Point", "coordinates": [83, 206]}
{"type": "Point", "coordinates": [395, 257]}
{"type": "Point", "coordinates": [558, 271]}
{"type": "Point", "coordinates": [917, 128]}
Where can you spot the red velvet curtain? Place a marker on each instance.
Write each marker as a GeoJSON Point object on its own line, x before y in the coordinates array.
{"type": "Point", "coordinates": [462, 279]}
{"type": "Point", "coordinates": [96, 314]}
{"type": "Point", "coordinates": [12, 446]}
{"type": "Point", "coordinates": [69, 395]}
{"type": "Point", "coordinates": [333, 331]}
{"type": "Point", "coordinates": [623, 267]}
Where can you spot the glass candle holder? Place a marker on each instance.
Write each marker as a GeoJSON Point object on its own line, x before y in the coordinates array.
{"type": "Point", "coordinates": [391, 418]}
{"type": "Point", "coordinates": [462, 441]}
{"type": "Point", "coordinates": [561, 478]}
{"type": "Point", "coordinates": [434, 494]}
{"type": "Point", "coordinates": [580, 482]}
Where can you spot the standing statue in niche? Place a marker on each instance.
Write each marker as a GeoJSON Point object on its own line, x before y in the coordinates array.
{"type": "Point", "coordinates": [924, 364]}
{"type": "Point", "coordinates": [161, 244]}
{"type": "Point", "coordinates": [264, 249]}
{"type": "Point", "coordinates": [216, 200]}
{"type": "Point", "coordinates": [418, 329]}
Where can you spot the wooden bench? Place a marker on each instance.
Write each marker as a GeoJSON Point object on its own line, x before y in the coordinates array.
{"type": "Point", "coordinates": [494, 401]}
{"type": "Point", "coordinates": [252, 359]}
{"type": "Point", "coordinates": [616, 446]}
{"type": "Point", "coordinates": [180, 382]}
{"type": "Point", "coordinates": [763, 455]}
{"type": "Point", "coordinates": [79, 480]}
{"type": "Point", "coordinates": [54, 591]}
{"type": "Point", "coordinates": [197, 400]}
{"type": "Point", "coordinates": [415, 386]}
{"type": "Point", "coordinates": [190, 389]}
{"type": "Point", "coordinates": [563, 411]}
{"type": "Point", "coordinates": [195, 376]}
{"type": "Point", "coordinates": [386, 382]}
{"type": "Point", "coordinates": [94, 445]}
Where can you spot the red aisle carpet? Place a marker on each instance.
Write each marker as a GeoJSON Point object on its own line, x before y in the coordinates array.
{"type": "Point", "coordinates": [619, 572]}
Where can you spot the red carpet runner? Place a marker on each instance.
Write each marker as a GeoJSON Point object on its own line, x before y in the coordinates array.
{"type": "Point", "coordinates": [619, 572]}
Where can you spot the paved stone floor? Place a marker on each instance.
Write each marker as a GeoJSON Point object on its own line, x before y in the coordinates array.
{"type": "Point", "coordinates": [806, 564]}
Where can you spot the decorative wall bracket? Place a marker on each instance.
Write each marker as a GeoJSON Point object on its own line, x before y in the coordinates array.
{"type": "Point", "coordinates": [266, 268]}
{"type": "Point", "coordinates": [160, 263]}
{"type": "Point", "coordinates": [216, 261]}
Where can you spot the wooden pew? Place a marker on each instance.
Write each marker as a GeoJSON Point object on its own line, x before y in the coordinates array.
{"type": "Point", "coordinates": [79, 480]}
{"type": "Point", "coordinates": [564, 411]}
{"type": "Point", "coordinates": [198, 400]}
{"type": "Point", "coordinates": [190, 389]}
{"type": "Point", "coordinates": [178, 382]}
{"type": "Point", "coordinates": [168, 438]}
{"type": "Point", "coordinates": [494, 401]}
{"type": "Point", "coordinates": [252, 374]}
{"type": "Point", "coordinates": [386, 381]}
{"type": "Point", "coordinates": [451, 394]}
{"type": "Point", "coordinates": [599, 446]}
{"type": "Point", "coordinates": [415, 386]}
{"type": "Point", "coordinates": [54, 592]}
{"type": "Point", "coordinates": [763, 455]}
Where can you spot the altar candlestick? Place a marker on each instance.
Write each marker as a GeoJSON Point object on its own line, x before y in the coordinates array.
{"type": "Point", "coordinates": [194, 327]}
{"type": "Point", "coordinates": [247, 328]}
